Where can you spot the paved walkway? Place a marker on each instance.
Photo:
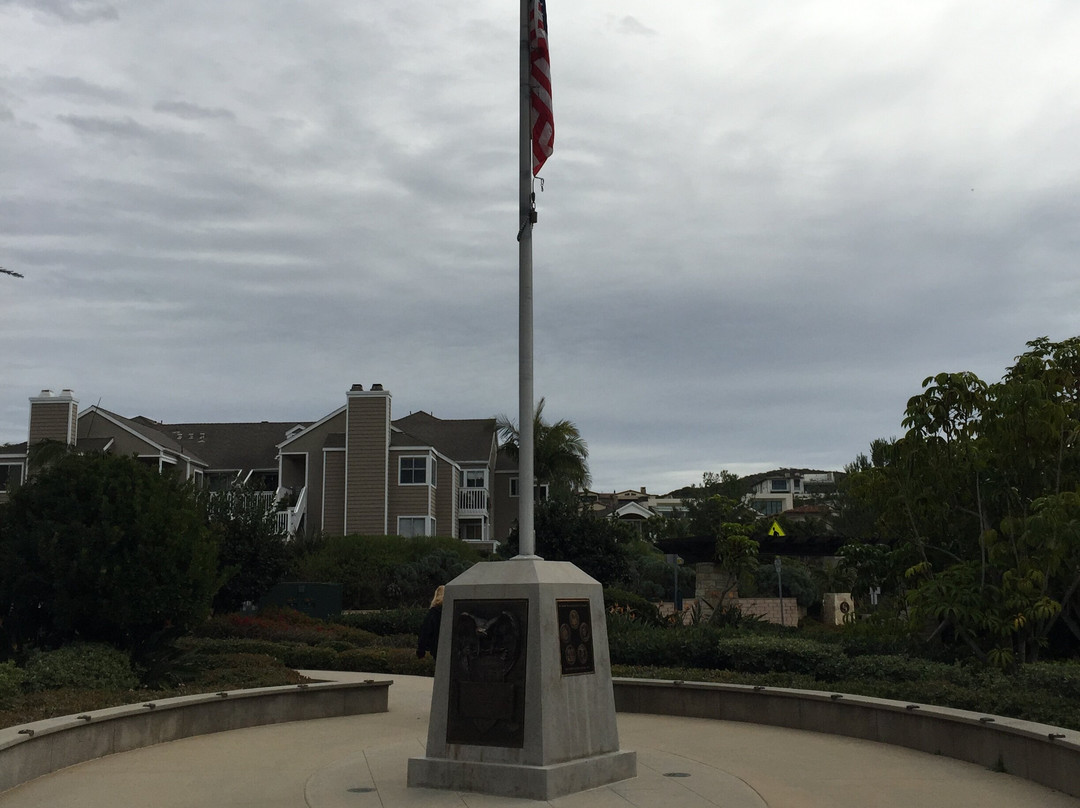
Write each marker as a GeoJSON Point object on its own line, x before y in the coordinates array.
{"type": "Point", "coordinates": [360, 762]}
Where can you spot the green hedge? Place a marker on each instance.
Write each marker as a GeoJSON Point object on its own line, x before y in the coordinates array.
{"type": "Point", "coordinates": [283, 626]}
{"type": "Point", "coordinates": [386, 622]}
{"type": "Point", "coordinates": [91, 666]}
{"type": "Point", "coordinates": [11, 680]}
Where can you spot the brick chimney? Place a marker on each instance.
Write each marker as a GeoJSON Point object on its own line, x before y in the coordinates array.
{"type": "Point", "coordinates": [53, 417]}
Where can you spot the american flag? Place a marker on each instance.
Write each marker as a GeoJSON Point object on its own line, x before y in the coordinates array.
{"type": "Point", "coordinates": [543, 124]}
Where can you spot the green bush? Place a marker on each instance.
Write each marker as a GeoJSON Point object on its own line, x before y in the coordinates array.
{"type": "Point", "coordinates": [386, 622]}
{"type": "Point", "coordinates": [283, 625]}
{"type": "Point", "coordinates": [630, 607]}
{"type": "Point", "coordinates": [104, 548]}
{"type": "Point", "coordinates": [1062, 678]}
{"type": "Point", "coordinates": [11, 680]}
{"type": "Point", "coordinates": [386, 660]}
{"type": "Point", "coordinates": [211, 646]}
{"type": "Point", "coordinates": [90, 666]}
{"type": "Point", "coordinates": [311, 657]}
{"type": "Point", "coordinates": [760, 654]}
{"type": "Point", "coordinates": [367, 567]}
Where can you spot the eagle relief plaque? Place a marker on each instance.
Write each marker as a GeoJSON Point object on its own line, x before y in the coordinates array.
{"type": "Point", "coordinates": [575, 636]}
{"type": "Point", "coordinates": [487, 673]}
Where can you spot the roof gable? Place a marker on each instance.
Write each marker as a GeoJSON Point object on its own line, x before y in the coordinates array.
{"type": "Point", "coordinates": [459, 439]}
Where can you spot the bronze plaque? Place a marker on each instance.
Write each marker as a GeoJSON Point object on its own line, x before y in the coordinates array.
{"type": "Point", "coordinates": [575, 636]}
{"type": "Point", "coordinates": [487, 673]}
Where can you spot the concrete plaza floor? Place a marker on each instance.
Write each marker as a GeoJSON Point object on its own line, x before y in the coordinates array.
{"type": "Point", "coordinates": [360, 762]}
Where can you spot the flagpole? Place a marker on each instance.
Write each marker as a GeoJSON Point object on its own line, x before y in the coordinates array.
{"type": "Point", "coordinates": [526, 487]}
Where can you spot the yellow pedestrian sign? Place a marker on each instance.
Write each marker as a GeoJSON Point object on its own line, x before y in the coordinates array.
{"type": "Point", "coordinates": [776, 530]}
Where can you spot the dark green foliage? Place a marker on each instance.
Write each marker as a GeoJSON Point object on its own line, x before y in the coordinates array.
{"type": "Point", "coordinates": [650, 575]}
{"type": "Point", "coordinates": [566, 532]}
{"type": "Point", "coordinates": [11, 681]}
{"type": "Point", "coordinates": [797, 579]}
{"type": "Point", "coordinates": [631, 607]}
{"type": "Point", "coordinates": [104, 548]}
{"type": "Point", "coordinates": [283, 625]}
{"type": "Point", "coordinates": [386, 622]}
{"type": "Point", "coordinates": [979, 504]}
{"type": "Point", "coordinates": [93, 666]}
{"type": "Point", "coordinates": [560, 454]}
{"type": "Point", "coordinates": [367, 567]}
{"type": "Point", "coordinates": [252, 551]}
{"type": "Point", "coordinates": [417, 580]}
{"type": "Point", "coordinates": [708, 647]}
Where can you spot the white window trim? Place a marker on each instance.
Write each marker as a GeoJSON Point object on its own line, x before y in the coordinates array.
{"type": "Point", "coordinates": [466, 472]}
{"type": "Point", "coordinates": [429, 525]}
{"type": "Point", "coordinates": [429, 477]}
{"type": "Point", "coordinates": [543, 490]}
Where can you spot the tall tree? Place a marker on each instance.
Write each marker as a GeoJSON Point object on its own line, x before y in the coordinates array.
{"type": "Point", "coordinates": [561, 455]}
{"type": "Point", "coordinates": [981, 496]}
{"type": "Point", "coordinates": [100, 547]}
{"type": "Point", "coordinates": [252, 549]}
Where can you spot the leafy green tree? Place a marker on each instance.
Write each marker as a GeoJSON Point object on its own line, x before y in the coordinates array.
{"type": "Point", "coordinates": [252, 549]}
{"type": "Point", "coordinates": [103, 548]}
{"type": "Point", "coordinates": [560, 454]}
{"type": "Point", "coordinates": [978, 498]}
{"type": "Point", "coordinates": [566, 532]}
{"type": "Point", "coordinates": [383, 571]}
{"type": "Point", "coordinates": [716, 500]}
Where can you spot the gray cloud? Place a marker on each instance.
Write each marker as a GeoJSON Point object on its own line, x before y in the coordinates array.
{"type": "Point", "coordinates": [758, 232]}
{"type": "Point", "coordinates": [79, 89]}
{"type": "Point", "coordinates": [631, 25]}
{"type": "Point", "coordinates": [113, 127]}
{"type": "Point", "coordinates": [192, 112]}
{"type": "Point", "coordinates": [73, 11]}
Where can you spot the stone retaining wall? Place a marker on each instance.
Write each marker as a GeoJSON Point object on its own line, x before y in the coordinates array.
{"type": "Point", "coordinates": [31, 750]}
{"type": "Point", "coordinates": [1044, 754]}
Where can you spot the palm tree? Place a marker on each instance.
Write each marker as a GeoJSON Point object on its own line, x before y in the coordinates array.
{"type": "Point", "coordinates": [560, 454]}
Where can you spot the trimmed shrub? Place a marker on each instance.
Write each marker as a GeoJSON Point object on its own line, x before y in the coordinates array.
{"type": "Point", "coordinates": [11, 679]}
{"type": "Point", "coordinates": [284, 625]}
{"type": "Point", "coordinates": [631, 607]}
{"type": "Point", "coordinates": [1062, 678]}
{"type": "Point", "coordinates": [89, 666]}
{"type": "Point", "coordinates": [386, 622]}
{"type": "Point", "coordinates": [386, 660]}
{"type": "Point", "coordinates": [385, 571]}
{"type": "Point", "coordinates": [311, 657]}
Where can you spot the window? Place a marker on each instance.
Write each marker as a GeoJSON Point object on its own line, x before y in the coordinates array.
{"type": "Point", "coordinates": [10, 476]}
{"type": "Point", "coordinates": [779, 485]}
{"type": "Point", "coordinates": [471, 530]}
{"type": "Point", "coordinates": [413, 470]}
{"type": "Point", "coordinates": [415, 526]}
{"type": "Point", "coordinates": [474, 478]}
{"type": "Point", "coordinates": [541, 490]}
{"type": "Point", "coordinates": [767, 507]}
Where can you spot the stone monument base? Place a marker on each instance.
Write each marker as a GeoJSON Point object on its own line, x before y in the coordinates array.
{"type": "Point", "coordinates": [522, 704]}
{"type": "Point", "coordinates": [526, 782]}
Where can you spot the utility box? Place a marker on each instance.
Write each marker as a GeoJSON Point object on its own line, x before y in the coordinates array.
{"type": "Point", "coordinates": [319, 600]}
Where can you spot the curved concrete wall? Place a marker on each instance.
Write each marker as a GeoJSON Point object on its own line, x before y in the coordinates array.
{"type": "Point", "coordinates": [31, 750]}
{"type": "Point", "coordinates": [1044, 754]}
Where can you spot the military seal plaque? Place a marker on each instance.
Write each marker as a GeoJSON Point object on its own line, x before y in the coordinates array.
{"type": "Point", "coordinates": [487, 673]}
{"type": "Point", "coordinates": [575, 637]}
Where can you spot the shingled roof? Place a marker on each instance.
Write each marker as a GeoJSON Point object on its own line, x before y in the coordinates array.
{"type": "Point", "coordinates": [463, 440]}
{"type": "Point", "coordinates": [233, 446]}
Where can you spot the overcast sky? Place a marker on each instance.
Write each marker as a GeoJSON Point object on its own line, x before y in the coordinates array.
{"type": "Point", "coordinates": [764, 223]}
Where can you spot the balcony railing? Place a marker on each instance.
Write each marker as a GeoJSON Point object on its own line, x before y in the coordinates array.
{"type": "Point", "coordinates": [288, 520]}
{"type": "Point", "coordinates": [473, 499]}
